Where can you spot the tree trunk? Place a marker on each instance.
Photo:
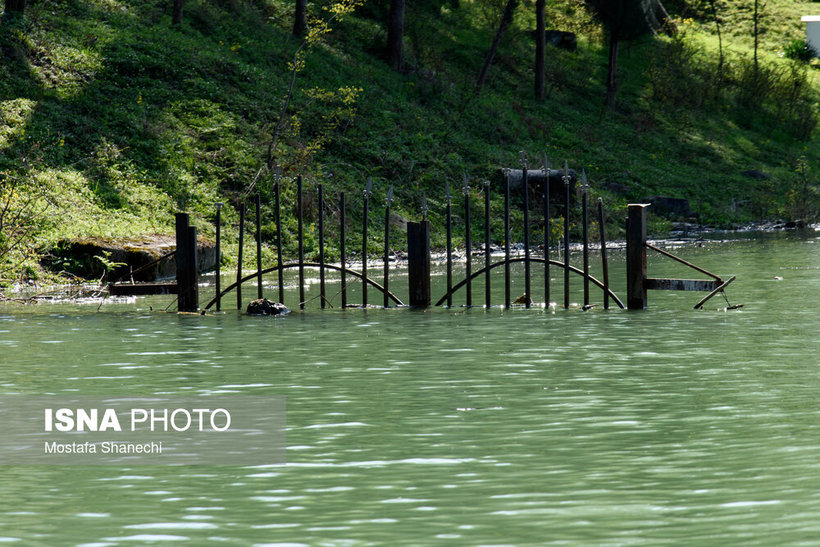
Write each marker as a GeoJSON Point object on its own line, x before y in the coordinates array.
{"type": "Point", "coordinates": [15, 6]}
{"type": "Point", "coordinates": [756, 15]}
{"type": "Point", "coordinates": [540, 50]}
{"type": "Point", "coordinates": [612, 73]}
{"type": "Point", "coordinates": [300, 18]}
{"type": "Point", "coordinates": [506, 19]}
{"type": "Point", "coordinates": [395, 34]}
{"type": "Point", "coordinates": [176, 12]}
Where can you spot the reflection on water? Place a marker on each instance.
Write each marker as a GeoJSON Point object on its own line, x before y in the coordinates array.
{"type": "Point", "coordinates": [459, 426]}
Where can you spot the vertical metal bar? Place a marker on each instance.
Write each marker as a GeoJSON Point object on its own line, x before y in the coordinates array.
{"type": "Point", "coordinates": [487, 292]}
{"type": "Point", "coordinates": [605, 266]}
{"type": "Point", "coordinates": [342, 222]}
{"type": "Point", "coordinates": [364, 241]}
{"type": "Point", "coordinates": [418, 262]}
{"type": "Point", "coordinates": [241, 249]}
{"type": "Point", "coordinates": [281, 275]}
{"type": "Point", "coordinates": [186, 264]}
{"type": "Point", "coordinates": [566, 235]}
{"type": "Point", "coordinates": [449, 223]}
{"type": "Point", "coordinates": [218, 272]}
{"type": "Point", "coordinates": [525, 186]}
{"type": "Point", "coordinates": [507, 299]}
{"type": "Point", "coordinates": [258, 203]}
{"type": "Point", "coordinates": [322, 247]}
{"type": "Point", "coordinates": [585, 221]}
{"type": "Point", "coordinates": [547, 226]}
{"type": "Point", "coordinates": [468, 243]}
{"type": "Point", "coordinates": [301, 242]}
{"type": "Point", "coordinates": [387, 245]}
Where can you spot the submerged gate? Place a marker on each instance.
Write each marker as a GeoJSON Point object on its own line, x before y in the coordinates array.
{"type": "Point", "coordinates": [419, 251]}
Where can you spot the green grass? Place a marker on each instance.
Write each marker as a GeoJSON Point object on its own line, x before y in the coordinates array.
{"type": "Point", "coordinates": [113, 118]}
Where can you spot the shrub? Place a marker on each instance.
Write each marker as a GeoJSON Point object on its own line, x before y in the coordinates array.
{"type": "Point", "coordinates": [799, 50]}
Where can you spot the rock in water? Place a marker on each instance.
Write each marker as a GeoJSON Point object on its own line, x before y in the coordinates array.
{"type": "Point", "coordinates": [263, 306]}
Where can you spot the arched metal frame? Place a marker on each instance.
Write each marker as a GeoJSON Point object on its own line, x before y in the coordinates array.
{"type": "Point", "coordinates": [531, 259]}
{"type": "Point", "coordinates": [249, 277]}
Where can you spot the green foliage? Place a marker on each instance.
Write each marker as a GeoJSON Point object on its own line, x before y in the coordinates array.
{"type": "Point", "coordinates": [799, 50]}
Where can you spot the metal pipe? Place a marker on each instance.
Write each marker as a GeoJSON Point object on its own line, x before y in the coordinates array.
{"type": "Point", "coordinates": [566, 235]}
{"type": "Point", "coordinates": [218, 273]}
{"type": "Point", "coordinates": [468, 244]}
{"type": "Point", "coordinates": [367, 194]}
{"type": "Point", "coordinates": [281, 279]}
{"type": "Point", "coordinates": [525, 186]}
{"type": "Point", "coordinates": [387, 244]}
{"type": "Point", "coordinates": [322, 247]}
{"type": "Point", "coordinates": [546, 205]}
{"type": "Point", "coordinates": [487, 291]}
{"type": "Point", "coordinates": [342, 221]}
{"type": "Point", "coordinates": [585, 221]}
{"type": "Point", "coordinates": [604, 264]}
{"type": "Point", "coordinates": [301, 242]}
{"type": "Point", "coordinates": [258, 203]}
{"type": "Point", "coordinates": [239, 265]}
{"type": "Point", "coordinates": [449, 226]}
{"type": "Point", "coordinates": [507, 298]}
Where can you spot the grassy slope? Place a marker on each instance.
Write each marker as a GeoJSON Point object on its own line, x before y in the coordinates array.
{"type": "Point", "coordinates": [116, 119]}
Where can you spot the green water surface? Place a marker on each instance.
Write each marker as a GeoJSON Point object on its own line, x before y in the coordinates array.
{"type": "Point", "coordinates": [456, 426]}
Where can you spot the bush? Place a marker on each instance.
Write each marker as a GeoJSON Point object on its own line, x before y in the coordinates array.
{"type": "Point", "coordinates": [800, 50]}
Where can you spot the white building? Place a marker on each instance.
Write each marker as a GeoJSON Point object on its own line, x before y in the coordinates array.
{"type": "Point", "coordinates": [812, 30]}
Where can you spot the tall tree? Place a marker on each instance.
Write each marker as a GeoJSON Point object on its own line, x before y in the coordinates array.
{"type": "Point", "coordinates": [176, 12]}
{"type": "Point", "coordinates": [540, 50]}
{"type": "Point", "coordinates": [623, 20]}
{"type": "Point", "coordinates": [300, 18]}
{"type": "Point", "coordinates": [506, 19]}
{"type": "Point", "coordinates": [395, 34]}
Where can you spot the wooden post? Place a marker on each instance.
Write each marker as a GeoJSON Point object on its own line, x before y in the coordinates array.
{"type": "Point", "coordinates": [188, 293]}
{"type": "Point", "coordinates": [239, 258]}
{"type": "Point", "coordinates": [566, 235]}
{"type": "Point", "coordinates": [386, 283]}
{"type": "Point", "coordinates": [418, 257]}
{"type": "Point", "coordinates": [218, 272]}
{"type": "Point", "coordinates": [546, 204]}
{"type": "Point", "coordinates": [366, 206]}
{"type": "Point", "coordinates": [468, 243]}
{"type": "Point", "coordinates": [636, 257]}
{"type": "Point", "coordinates": [585, 222]}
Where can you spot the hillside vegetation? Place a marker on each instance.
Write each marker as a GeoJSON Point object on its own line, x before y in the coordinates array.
{"type": "Point", "coordinates": [112, 118]}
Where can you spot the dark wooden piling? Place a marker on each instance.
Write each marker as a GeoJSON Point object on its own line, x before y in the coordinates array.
{"type": "Point", "coordinates": [418, 263]}
{"type": "Point", "coordinates": [300, 241]}
{"type": "Point", "coordinates": [258, 203]}
{"type": "Point", "coordinates": [546, 204]}
{"type": "Point", "coordinates": [636, 257]}
{"type": "Point", "coordinates": [342, 247]}
{"type": "Point", "coordinates": [218, 271]}
{"type": "Point", "coordinates": [322, 295]}
{"type": "Point", "coordinates": [240, 253]}
{"type": "Point", "coordinates": [367, 193]}
{"type": "Point", "coordinates": [604, 264]}
{"type": "Point", "coordinates": [526, 198]}
{"type": "Point", "coordinates": [449, 228]}
{"type": "Point", "coordinates": [487, 256]}
{"type": "Point", "coordinates": [468, 244]}
{"type": "Point", "coordinates": [507, 296]}
{"type": "Point", "coordinates": [280, 272]}
{"type": "Point", "coordinates": [585, 222]}
{"type": "Point", "coordinates": [566, 235]}
{"type": "Point", "coordinates": [386, 282]}
{"type": "Point", "coordinates": [186, 265]}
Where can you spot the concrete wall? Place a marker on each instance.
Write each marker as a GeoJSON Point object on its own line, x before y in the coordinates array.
{"type": "Point", "coordinates": [813, 31]}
